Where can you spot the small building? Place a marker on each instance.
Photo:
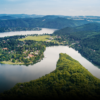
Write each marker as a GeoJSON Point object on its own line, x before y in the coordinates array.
{"type": "Point", "coordinates": [51, 38]}
{"type": "Point", "coordinates": [30, 55]}
{"type": "Point", "coordinates": [36, 52]}
{"type": "Point", "coordinates": [31, 52]}
{"type": "Point", "coordinates": [5, 48]}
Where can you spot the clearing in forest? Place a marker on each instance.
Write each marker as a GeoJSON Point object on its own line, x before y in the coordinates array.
{"type": "Point", "coordinates": [36, 38]}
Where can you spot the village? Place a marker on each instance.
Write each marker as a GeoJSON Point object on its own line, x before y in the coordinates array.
{"type": "Point", "coordinates": [27, 49]}
{"type": "Point", "coordinates": [20, 52]}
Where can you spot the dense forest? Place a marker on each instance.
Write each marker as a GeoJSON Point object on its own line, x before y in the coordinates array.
{"type": "Point", "coordinates": [9, 29]}
{"type": "Point", "coordinates": [90, 48]}
{"type": "Point", "coordinates": [83, 38]}
{"type": "Point", "coordinates": [70, 80]}
{"type": "Point", "coordinates": [42, 22]}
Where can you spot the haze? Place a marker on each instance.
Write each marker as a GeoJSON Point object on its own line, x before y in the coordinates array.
{"type": "Point", "coordinates": [51, 7]}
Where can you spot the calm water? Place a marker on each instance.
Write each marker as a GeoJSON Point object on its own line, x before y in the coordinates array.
{"type": "Point", "coordinates": [12, 74]}
{"type": "Point", "coordinates": [43, 31]}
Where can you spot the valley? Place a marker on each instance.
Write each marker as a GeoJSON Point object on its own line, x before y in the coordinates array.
{"type": "Point", "coordinates": [64, 76]}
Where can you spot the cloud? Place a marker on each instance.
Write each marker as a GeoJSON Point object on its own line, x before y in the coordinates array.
{"type": "Point", "coordinates": [63, 7]}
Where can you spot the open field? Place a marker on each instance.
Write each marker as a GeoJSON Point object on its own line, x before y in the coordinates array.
{"type": "Point", "coordinates": [36, 38]}
{"type": "Point", "coordinates": [11, 63]}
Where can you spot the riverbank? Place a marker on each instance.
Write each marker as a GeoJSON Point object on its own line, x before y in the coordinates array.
{"type": "Point", "coordinates": [27, 49]}
{"type": "Point", "coordinates": [11, 63]}
{"type": "Point", "coordinates": [12, 29]}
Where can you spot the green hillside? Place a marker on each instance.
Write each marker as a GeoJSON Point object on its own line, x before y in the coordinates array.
{"type": "Point", "coordinates": [90, 48]}
{"type": "Point", "coordinates": [70, 80]}
{"type": "Point", "coordinates": [80, 32]}
{"type": "Point", "coordinates": [86, 39]}
{"type": "Point", "coordinates": [42, 22]}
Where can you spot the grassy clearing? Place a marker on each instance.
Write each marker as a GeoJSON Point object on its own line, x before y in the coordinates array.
{"type": "Point", "coordinates": [11, 63]}
{"type": "Point", "coordinates": [36, 38]}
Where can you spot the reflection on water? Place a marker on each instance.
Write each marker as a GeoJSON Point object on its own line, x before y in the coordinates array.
{"type": "Point", "coordinates": [12, 74]}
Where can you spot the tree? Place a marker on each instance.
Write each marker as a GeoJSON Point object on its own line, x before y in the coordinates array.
{"type": "Point", "coordinates": [13, 60]}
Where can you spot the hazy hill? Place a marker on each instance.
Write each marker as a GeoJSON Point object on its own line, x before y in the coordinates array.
{"type": "Point", "coordinates": [15, 16]}
{"type": "Point", "coordinates": [47, 22]}
{"type": "Point", "coordinates": [6, 17]}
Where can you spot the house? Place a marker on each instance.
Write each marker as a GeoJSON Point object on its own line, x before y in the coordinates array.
{"type": "Point", "coordinates": [51, 38]}
{"type": "Point", "coordinates": [36, 52]}
{"type": "Point", "coordinates": [31, 52]}
{"type": "Point", "coordinates": [58, 37]}
{"type": "Point", "coordinates": [48, 40]}
{"type": "Point", "coordinates": [25, 51]}
{"type": "Point", "coordinates": [5, 48]}
{"type": "Point", "coordinates": [30, 55]}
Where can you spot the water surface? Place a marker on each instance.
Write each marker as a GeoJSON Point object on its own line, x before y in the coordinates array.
{"type": "Point", "coordinates": [43, 31]}
{"type": "Point", "coordinates": [12, 74]}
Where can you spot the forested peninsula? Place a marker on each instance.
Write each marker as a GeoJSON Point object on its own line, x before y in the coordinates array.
{"type": "Point", "coordinates": [70, 80]}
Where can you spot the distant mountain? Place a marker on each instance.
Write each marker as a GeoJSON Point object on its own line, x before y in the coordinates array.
{"type": "Point", "coordinates": [59, 22]}
{"type": "Point", "coordinates": [6, 17]}
{"type": "Point", "coordinates": [15, 16]}
{"type": "Point", "coordinates": [46, 22]}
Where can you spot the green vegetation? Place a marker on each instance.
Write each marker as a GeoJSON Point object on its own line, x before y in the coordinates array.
{"type": "Point", "coordinates": [43, 22]}
{"type": "Point", "coordinates": [80, 32]}
{"type": "Point", "coordinates": [24, 49]}
{"type": "Point", "coordinates": [13, 51]}
{"type": "Point", "coordinates": [36, 38]}
{"type": "Point", "coordinates": [12, 63]}
{"type": "Point", "coordinates": [70, 80]}
{"type": "Point", "coordinates": [9, 29]}
{"type": "Point", "coordinates": [85, 39]}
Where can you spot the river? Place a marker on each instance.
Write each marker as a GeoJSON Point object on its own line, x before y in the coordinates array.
{"type": "Point", "coordinates": [43, 31]}
{"type": "Point", "coordinates": [12, 74]}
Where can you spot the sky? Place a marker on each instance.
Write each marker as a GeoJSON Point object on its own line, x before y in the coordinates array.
{"type": "Point", "coordinates": [51, 7]}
